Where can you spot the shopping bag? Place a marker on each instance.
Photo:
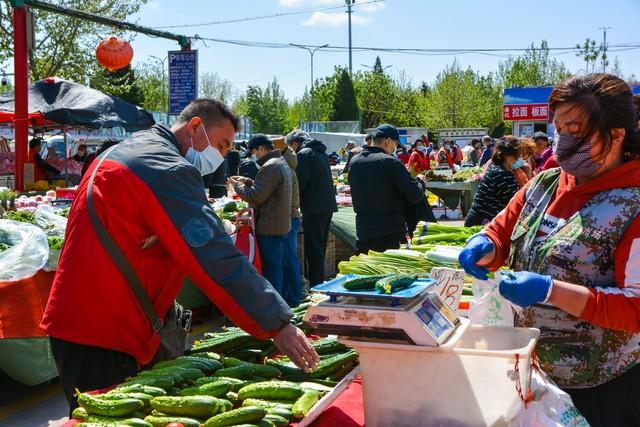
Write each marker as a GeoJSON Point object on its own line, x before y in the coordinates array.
{"type": "Point", "coordinates": [245, 238]}
{"type": "Point", "coordinates": [488, 307]}
{"type": "Point", "coordinates": [26, 250]}
{"type": "Point", "coordinates": [549, 407]}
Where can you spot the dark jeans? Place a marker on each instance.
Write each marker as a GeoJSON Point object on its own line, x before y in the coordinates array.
{"type": "Point", "coordinates": [292, 285]}
{"type": "Point", "coordinates": [316, 232]}
{"type": "Point", "coordinates": [381, 244]}
{"type": "Point", "coordinates": [89, 368]}
{"type": "Point", "coordinates": [615, 403]}
{"type": "Point", "coordinates": [272, 259]}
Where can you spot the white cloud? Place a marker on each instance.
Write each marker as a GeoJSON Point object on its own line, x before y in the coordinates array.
{"type": "Point", "coordinates": [333, 20]}
{"type": "Point", "coordinates": [289, 3]}
{"type": "Point", "coordinates": [292, 3]}
{"type": "Point", "coordinates": [371, 7]}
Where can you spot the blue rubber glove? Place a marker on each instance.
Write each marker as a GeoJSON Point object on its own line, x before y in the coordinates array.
{"type": "Point", "coordinates": [477, 247]}
{"type": "Point", "coordinates": [524, 288]}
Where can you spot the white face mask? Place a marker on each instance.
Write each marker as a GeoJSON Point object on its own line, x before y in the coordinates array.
{"type": "Point", "coordinates": [207, 160]}
{"type": "Point", "coordinates": [254, 158]}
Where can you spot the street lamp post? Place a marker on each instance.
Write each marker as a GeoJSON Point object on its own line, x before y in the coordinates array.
{"type": "Point", "coordinates": [311, 52]}
{"type": "Point", "coordinates": [162, 66]}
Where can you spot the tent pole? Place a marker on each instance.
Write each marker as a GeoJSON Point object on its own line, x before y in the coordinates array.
{"type": "Point", "coordinates": [21, 91]}
{"type": "Point", "coordinates": [66, 169]}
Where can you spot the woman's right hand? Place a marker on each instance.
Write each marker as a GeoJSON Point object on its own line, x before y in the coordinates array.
{"type": "Point", "coordinates": [476, 255]}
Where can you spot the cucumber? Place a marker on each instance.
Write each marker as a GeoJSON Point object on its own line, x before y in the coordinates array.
{"type": "Point", "coordinates": [201, 361]}
{"type": "Point", "coordinates": [156, 421]}
{"type": "Point", "coordinates": [364, 283]}
{"type": "Point", "coordinates": [265, 423]}
{"type": "Point", "coordinates": [227, 405]}
{"type": "Point", "coordinates": [244, 371]}
{"type": "Point", "coordinates": [270, 390]}
{"type": "Point", "coordinates": [232, 397]}
{"type": "Point", "coordinates": [328, 345]}
{"type": "Point", "coordinates": [208, 355]}
{"type": "Point", "coordinates": [215, 389]}
{"type": "Point", "coordinates": [341, 372]}
{"type": "Point", "coordinates": [144, 398]}
{"type": "Point", "coordinates": [277, 420]}
{"type": "Point", "coordinates": [102, 424]}
{"type": "Point", "coordinates": [185, 372]}
{"type": "Point", "coordinates": [188, 406]}
{"type": "Point", "coordinates": [328, 366]}
{"type": "Point", "coordinates": [139, 388]}
{"type": "Point", "coordinates": [269, 404]}
{"type": "Point", "coordinates": [235, 383]}
{"type": "Point", "coordinates": [315, 386]}
{"type": "Point", "coordinates": [224, 344]}
{"type": "Point", "coordinates": [108, 408]}
{"type": "Point", "coordinates": [304, 404]}
{"type": "Point", "coordinates": [247, 354]}
{"type": "Point", "coordinates": [281, 412]}
{"type": "Point", "coordinates": [79, 414]}
{"type": "Point", "coordinates": [230, 362]}
{"type": "Point", "coordinates": [96, 419]}
{"type": "Point", "coordinates": [163, 382]}
{"type": "Point", "coordinates": [391, 284]}
{"type": "Point", "coordinates": [246, 414]}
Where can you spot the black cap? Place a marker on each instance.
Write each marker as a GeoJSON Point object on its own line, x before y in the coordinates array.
{"type": "Point", "coordinates": [257, 140]}
{"type": "Point", "coordinates": [387, 131]}
{"type": "Point", "coordinates": [540, 135]}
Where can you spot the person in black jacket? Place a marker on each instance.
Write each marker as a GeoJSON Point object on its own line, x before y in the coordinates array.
{"type": "Point", "coordinates": [498, 184]}
{"type": "Point", "coordinates": [317, 200]}
{"type": "Point", "coordinates": [233, 162]}
{"type": "Point", "coordinates": [247, 166]}
{"type": "Point", "coordinates": [381, 188]}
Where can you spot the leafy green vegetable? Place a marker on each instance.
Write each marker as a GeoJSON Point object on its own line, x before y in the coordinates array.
{"type": "Point", "coordinates": [64, 212]}
{"type": "Point", "coordinates": [4, 247]}
{"type": "Point", "coordinates": [55, 242]}
{"type": "Point", "coordinates": [22, 216]}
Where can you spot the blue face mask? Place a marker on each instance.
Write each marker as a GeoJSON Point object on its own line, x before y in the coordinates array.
{"type": "Point", "coordinates": [517, 164]}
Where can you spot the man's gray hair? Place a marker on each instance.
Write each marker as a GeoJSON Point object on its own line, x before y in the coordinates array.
{"type": "Point", "coordinates": [296, 135]}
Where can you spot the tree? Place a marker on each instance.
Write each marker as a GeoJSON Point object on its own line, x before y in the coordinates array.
{"type": "Point", "coordinates": [345, 106]}
{"type": "Point", "coordinates": [591, 53]}
{"type": "Point", "coordinates": [64, 46]}
{"type": "Point", "coordinates": [377, 66]}
{"type": "Point", "coordinates": [213, 86]}
{"type": "Point", "coordinates": [267, 108]}
{"type": "Point", "coordinates": [121, 83]}
{"type": "Point", "coordinates": [152, 84]}
{"type": "Point", "coordinates": [533, 68]}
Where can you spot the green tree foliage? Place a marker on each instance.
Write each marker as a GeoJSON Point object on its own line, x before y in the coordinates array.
{"type": "Point", "coordinates": [153, 85]}
{"type": "Point", "coordinates": [377, 66]}
{"type": "Point", "coordinates": [121, 83]}
{"type": "Point", "coordinates": [533, 68]}
{"type": "Point", "coordinates": [590, 52]}
{"type": "Point", "coordinates": [267, 108]}
{"type": "Point", "coordinates": [211, 85]}
{"type": "Point", "coordinates": [345, 106]}
{"type": "Point", "coordinates": [64, 46]}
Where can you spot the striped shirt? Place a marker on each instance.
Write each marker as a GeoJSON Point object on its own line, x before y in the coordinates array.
{"type": "Point", "coordinates": [494, 192]}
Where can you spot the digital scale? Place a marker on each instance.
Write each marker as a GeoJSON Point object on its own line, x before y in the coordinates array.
{"type": "Point", "coordinates": [416, 315]}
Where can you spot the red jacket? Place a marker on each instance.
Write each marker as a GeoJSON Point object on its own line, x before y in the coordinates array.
{"type": "Point", "coordinates": [419, 162]}
{"type": "Point", "coordinates": [608, 308]}
{"type": "Point", "coordinates": [152, 202]}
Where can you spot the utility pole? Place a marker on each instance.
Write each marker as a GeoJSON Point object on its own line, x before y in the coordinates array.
{"type": "Point", "coordinates": [311, 52]}
{"type": "Point", "coordinates": [604, 48]}
{"type": "Point", "coordinates": [349, 3]}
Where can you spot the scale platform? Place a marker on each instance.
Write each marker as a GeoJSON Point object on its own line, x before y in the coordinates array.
{"type": "Point", "coordinates": [414, 315]}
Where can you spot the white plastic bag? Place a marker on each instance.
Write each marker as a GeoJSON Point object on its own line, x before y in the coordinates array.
{"type": "Point", "coordinates": [52, 223]}
{"type": "Point", "coordinates": [27, 253]}
{"type": "Point", "coordinates": [488, 307]}
{"type": "Point", "coordinates": [550, 407]}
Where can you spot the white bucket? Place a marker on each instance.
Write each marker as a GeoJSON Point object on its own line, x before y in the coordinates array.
{"type": "Point", "coordinates": [470, 382]}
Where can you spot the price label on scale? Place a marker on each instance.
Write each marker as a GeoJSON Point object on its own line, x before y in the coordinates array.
{"type": "Point", "coordinates": [449, 284]}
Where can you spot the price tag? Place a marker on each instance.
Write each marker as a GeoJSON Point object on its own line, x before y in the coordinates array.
{"type": "Point", "coordinates": [449, 285]}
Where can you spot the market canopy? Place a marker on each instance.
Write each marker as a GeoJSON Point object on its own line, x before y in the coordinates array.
{"type": "Point", "coordinates": [55, 101]}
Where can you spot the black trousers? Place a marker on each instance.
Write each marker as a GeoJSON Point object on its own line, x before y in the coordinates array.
{"type": "Point", "coordinates": [615, 403]}
{"type": "Point", "coordinates": [381, 244]}
{"type": "Point", "coordinates": [89, 368]}
{"type": "Point", "coordinates": [316, 232]}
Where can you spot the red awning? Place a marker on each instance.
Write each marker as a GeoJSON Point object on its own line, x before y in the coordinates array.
{"type": "Point", "coordinates": [35, 119]}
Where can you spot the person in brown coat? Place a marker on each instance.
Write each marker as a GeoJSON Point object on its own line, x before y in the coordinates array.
{"type": "Point", "coordinates": [270, 196]}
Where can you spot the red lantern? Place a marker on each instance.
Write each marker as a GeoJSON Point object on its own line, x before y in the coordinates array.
{"type": "Point", "coordinates": [114, 53]}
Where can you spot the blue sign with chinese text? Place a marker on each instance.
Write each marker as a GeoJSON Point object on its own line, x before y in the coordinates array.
{"type": "Point", "coordinates": [183, 79]}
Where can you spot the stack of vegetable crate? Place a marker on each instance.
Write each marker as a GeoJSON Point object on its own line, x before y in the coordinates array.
{"type": "Point", "coordinates": [228, 379]}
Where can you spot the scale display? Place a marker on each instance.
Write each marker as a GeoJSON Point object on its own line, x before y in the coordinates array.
{"type": "Point", "coordinates": [434, 317]}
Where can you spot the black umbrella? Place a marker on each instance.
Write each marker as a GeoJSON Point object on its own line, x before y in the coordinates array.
{"type": "Point", "coordinates": [70, 104]}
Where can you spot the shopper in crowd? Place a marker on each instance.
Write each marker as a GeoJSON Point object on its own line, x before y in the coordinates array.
{"type": "Point", "coordinates": [233, 162]}
{"type": "Point", "coordinates": [444, 155]}
{"type": "Point", "coordinates": [381, 187]}
{"type": "Point", "coordinates": [418, 161]}
{"type": "Point", "coordinates": [498, 184]}
{"type": "Point", "coordinates": [402, 154]}
{"type": "Point", "coordinates": [456, 153]}
{"type": "Point", "coordinates": [317, 200]}
{"type": "Point", "coordinates": [350, 150]}
{"type": "Point", "coordinates": [292, 286]}
{"type": "Point", "coordinates": [148, 193]}
{"type": "Point", "coordinates": [106, 144]}
{"type": "Point", "coordinates": [571, 237]}
{"type": "Point", "coordinates": [41, 169]}
{"type": "Point", "coordinates": [543, 151]}
{"type": "Point", "coordinates": [435, 152]}
{"type": "Point", "coordinates": [247, 167]}
{"type": "Point", "coordinates": [522, 168]}
{"type": "Point", "coordinates": [488, 144]}
{"type": "Point", "coordinates": [81, 153]}
{"type": "Point", "coordinates": [270, 196]}
{"type": "Point", "coordinates": [216, 182]}
{"type": "Point", "coordinates": [468, 150]}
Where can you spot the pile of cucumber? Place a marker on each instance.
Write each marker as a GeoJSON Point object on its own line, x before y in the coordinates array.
{"type": "Point", "coordinates": [228, 379]}
{"type": "Point", "coordinates": [383, 283]}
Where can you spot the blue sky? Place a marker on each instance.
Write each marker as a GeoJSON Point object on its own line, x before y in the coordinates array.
{"type": "Point", "coordinates": [390, 23]}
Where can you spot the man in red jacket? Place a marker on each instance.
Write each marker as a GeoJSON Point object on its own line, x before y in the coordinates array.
{"type": "Point", "coordinates": [149, 194]}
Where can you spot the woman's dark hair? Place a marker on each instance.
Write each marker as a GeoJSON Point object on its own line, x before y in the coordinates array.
{"type": "Point", "coordinates": [506, 146]}
{"type": "Point", "coordinates": [608, 103]}
{"type": "Point", "coordinates": [36, 140]}
{"type": "Point", "coordinates": [106, 144]}
{"type": "Point", "coordinates": [415, 143]}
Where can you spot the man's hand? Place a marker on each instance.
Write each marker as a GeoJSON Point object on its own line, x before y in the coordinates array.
{"type": "Point", "coordinates": [292, 342]}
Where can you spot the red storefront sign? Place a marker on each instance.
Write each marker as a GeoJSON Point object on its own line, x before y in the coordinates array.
{"type": "Point", "coordinates": [526, 112]}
